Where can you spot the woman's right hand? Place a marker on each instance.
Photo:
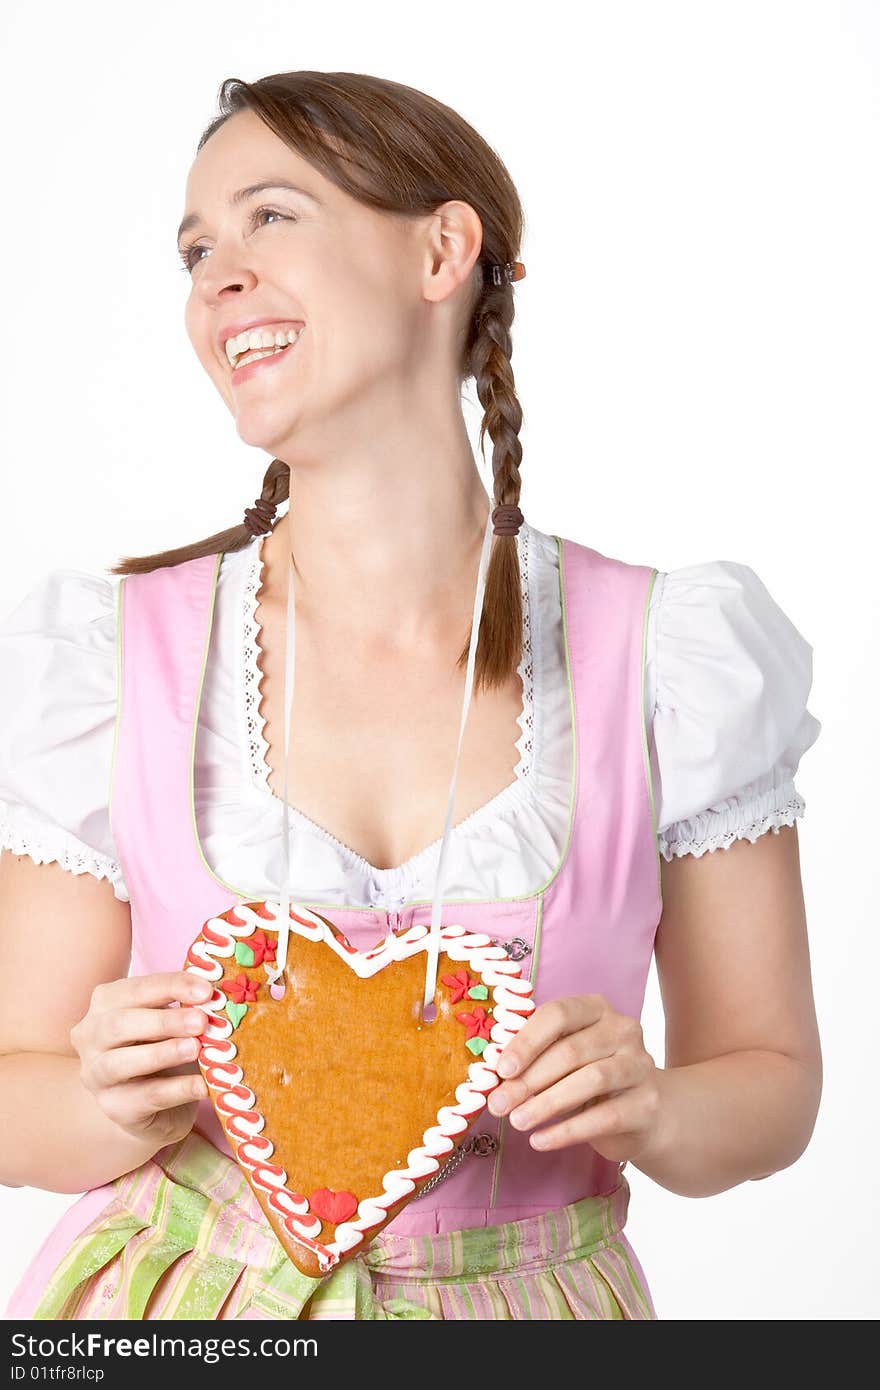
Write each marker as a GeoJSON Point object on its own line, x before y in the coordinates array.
{"type": "Point", "coordinates": [136, 1054]}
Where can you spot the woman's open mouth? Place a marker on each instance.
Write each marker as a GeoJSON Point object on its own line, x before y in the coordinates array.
{"type": "Point", "coordinates": [254, 360]}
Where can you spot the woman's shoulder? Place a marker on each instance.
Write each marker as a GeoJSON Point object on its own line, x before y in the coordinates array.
{"type": "Point", "coordinates": [726, 596]}
{"type": "Point", "coordinates": [58, 644]}
{"type": "Point", "coordinates": [58, 652]}
{"type": "Point", "coordinates": [60, 599]}
{"type": "Point", "coordinates": [719, 619]}
{"type": "Point", "coordinates": [730, 675]}
{"type": "Point", "coordinates": [57, 722]}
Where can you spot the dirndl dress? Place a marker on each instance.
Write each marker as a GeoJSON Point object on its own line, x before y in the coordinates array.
{"type": "Point", "coordinates": [184, 1237]}
{"type": "Point", "coordinates": [541, 1234]}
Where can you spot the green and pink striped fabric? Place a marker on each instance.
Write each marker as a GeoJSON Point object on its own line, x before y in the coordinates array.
{"type": "Point", "coordinates": [184, 1237]}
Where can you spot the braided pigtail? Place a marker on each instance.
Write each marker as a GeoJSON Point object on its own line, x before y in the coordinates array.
{"type": "Point", "coordinates": [499, 645]}
{"type": "Point", "coordinates": [258, 519]}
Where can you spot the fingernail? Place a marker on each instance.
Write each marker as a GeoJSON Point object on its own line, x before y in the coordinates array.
{"type": "Point", "coordinates": [188, 1047]}
{"type": "Point", "coordinates": [506, 1066]}
{"type": "Point", "coordinates": [521, 1118]}
{"type": "Point", "coordinates": [200, 989]}
{"type": "Point", "coordinates": [195, 1021]}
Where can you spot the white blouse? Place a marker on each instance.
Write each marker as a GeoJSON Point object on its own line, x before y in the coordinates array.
{"type": "Point", "coordinates": [727, 679]}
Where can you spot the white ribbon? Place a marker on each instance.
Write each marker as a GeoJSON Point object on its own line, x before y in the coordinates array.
{"type": "Point", "coordinates": [433, 949]}
{"type": "Point", "coordinates": [276, 982]}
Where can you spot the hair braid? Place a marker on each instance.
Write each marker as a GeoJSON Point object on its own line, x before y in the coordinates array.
{"type": "Point", "coordinates": [490, 353]}
{"type": "Point", "coordinates": [276, 489]}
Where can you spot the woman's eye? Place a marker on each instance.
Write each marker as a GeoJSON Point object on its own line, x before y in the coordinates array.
{"type": "Point", "coordinates": [189, 254]}
{"type": "Point", "coordinates": [186, 255]}
{"type": "Point", "coordinates": [271, 212]}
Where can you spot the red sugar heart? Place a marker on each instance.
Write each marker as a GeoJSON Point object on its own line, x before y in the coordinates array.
{"type": "Point", "coordinates": [333, 1206]}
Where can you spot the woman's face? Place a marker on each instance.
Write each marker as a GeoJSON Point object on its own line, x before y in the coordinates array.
{"type": "Point", "coordinates": [316, 257]}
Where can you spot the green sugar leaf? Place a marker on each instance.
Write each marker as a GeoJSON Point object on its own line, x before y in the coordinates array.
{"type": "Point", "coordinates": [477, 1045]}
{"type": "Point", "coordinates": [478, 992]}
{"type": "Point", "coordinates": [243, 953]}
{"type": "Point", "coordinates": [235, 1012]}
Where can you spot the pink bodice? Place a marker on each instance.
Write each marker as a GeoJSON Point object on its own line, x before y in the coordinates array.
{"type": "Point", "coordinates": [588, 929]}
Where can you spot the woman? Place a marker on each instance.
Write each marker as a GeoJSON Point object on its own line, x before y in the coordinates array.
{"type": "Point", "coordinates": [656, 719]}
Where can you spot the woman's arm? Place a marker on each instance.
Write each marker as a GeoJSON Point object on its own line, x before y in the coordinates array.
{"type": "Point", "coordinates": [742, 1081]}
{"type": "Point", "coordinates": [61, 935]}
{"type": "Point", "coordinates": [740, 1091]}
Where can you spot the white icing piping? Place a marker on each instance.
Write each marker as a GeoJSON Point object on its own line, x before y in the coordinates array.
{"type": "Point", "coordinates": [236, 1102]}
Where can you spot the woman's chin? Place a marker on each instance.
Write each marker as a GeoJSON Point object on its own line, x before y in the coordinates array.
{"type": "Point", "coordinates": [263, 428]}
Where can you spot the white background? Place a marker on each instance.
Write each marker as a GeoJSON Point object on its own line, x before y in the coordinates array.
{"type": "Point", "coordinates": [696, 352]}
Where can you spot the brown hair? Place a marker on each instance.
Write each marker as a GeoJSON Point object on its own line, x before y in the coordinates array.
{"type": "Point", "coordinates": [411, 154]}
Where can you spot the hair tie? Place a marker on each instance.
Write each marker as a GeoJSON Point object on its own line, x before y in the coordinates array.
{"type": "Point", "coordinates": [511, 270]}
{"type": "Point", "coordinates": [506, 520]}
{"type": "Point", "coordinates": [258, 518]}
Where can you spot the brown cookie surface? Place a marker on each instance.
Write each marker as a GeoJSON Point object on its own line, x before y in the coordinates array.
{"type": "Point", "coordinates": [327, 1093]}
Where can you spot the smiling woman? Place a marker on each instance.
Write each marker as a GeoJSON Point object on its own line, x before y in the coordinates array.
{"type": "Point", "coordinates": [301, 1139]}
{"type": "Point", "coordinates": [348, 221]}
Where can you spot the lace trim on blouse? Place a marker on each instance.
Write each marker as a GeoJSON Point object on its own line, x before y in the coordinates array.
{"type": "Point", "coordinates": [50, 845]}
{"type": "Point", "coordinates": [743, 817]}
{"type": "Point", "coordinates": [258, 746]}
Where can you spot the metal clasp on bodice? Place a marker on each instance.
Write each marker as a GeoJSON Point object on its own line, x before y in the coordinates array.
{"type": "Point", "coordinates": [479, 1144]}
{"type": "Point", "coordinates": [516, 948]}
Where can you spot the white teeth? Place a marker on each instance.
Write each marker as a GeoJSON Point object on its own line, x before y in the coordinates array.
{"type": "Point", "coordinates": [256, 339]}
{"type": "Point", "coordinates": [257, 354]}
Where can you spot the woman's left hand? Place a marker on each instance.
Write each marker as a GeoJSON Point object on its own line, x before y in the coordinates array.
{"type": "Point", "coordinates": [579, 1055]}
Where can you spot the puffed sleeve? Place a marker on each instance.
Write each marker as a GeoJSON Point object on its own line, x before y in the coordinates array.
{"type": "Point", "coordinates": [730, 675]}
{"type": "Point", "coordinates": [57, 724]}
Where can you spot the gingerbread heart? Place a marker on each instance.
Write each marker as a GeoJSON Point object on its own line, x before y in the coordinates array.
{"type": "Point", "coordinates": [338, 1101]}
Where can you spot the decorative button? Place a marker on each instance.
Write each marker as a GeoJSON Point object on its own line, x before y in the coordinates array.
{"type": "Point", "coordinates": [516, 949]}
{"type": "Point", "coordinates": [483, 1144]}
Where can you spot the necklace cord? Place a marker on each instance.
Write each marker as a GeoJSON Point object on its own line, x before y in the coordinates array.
{"type": "Point", "coordinates": [276, 974]}
{"type": "Point", "coordinates": [433, 951]}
